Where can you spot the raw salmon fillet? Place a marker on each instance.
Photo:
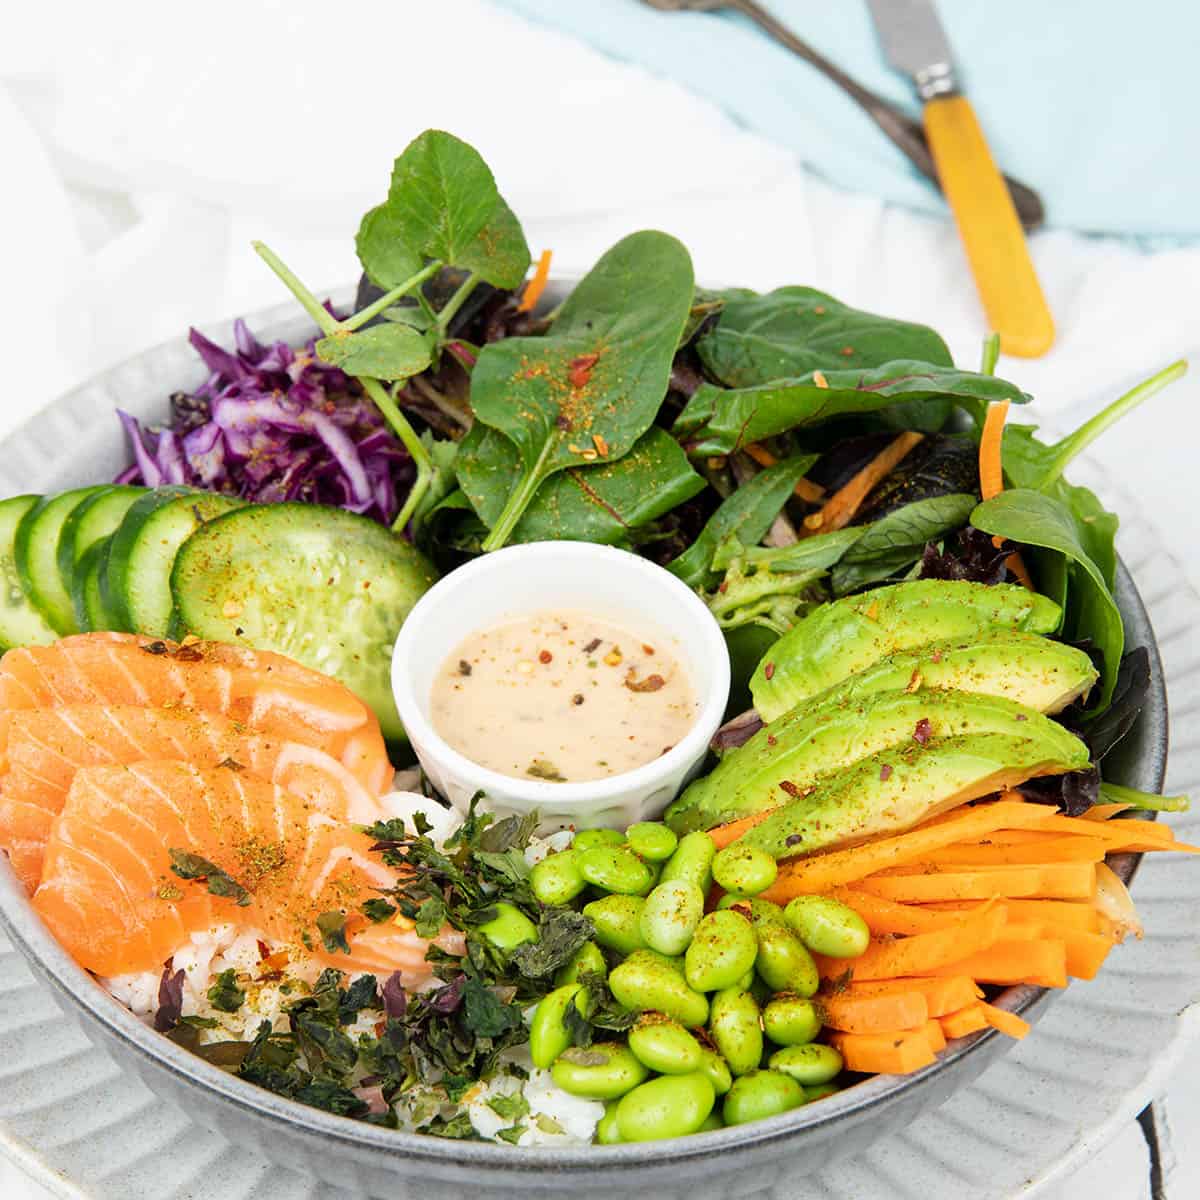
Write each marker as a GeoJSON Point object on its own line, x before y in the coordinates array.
{"type": "Point", "coordinates": [46, 746]}
{"type": "Point", "coordinates": [264, 691]}
{"type": "Point", "coordinates": [108, 892]}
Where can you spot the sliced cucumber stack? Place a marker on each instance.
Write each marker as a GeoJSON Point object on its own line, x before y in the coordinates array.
{"type": "Point", "coordinates": [91, 610]}
{"type": "Point", "coordinates": [35, 552]}
{"type": "Point", "coordinates": [91, 521]}
{"type": "Point", "coordinates": [323, 586]}
{"type": "Point", "coordinates": [136, 585]}
{"type": "Point", "coordinates": [21, 624]}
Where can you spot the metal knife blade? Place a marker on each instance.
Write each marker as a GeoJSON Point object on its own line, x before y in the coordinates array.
{"type": "Point", "coordinates": [915, 43]}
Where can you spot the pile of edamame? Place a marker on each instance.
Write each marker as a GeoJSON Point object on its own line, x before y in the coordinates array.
{"type": "Point", "coordinates": [726, 1024]}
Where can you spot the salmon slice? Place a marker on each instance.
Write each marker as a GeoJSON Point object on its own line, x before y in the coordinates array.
{"type": "Point", "coordinates": [109, 895]}
{"type": "Point", "coordinates": [264, 691]}
{"type": "Point", "coordinates": [46, 746]}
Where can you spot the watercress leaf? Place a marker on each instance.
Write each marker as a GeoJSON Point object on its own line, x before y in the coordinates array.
{"type": "Point", "coordinates": [499, 254]}
{"type": "Point", "coordinates": [1036, 519]}
{"type": "Point", "coordinates": [385, 256]}
{"type": "Point", "coordinates": [601, 503]}
{"type": "Point", "coordinates": [747, 514]}
{"type": "Point", "coordinates": [794, 330]}
{"type": "Point", "coordinates": [385, 351]}
{"type": "Point", "coordinates": [722, 422]}
{"type": "Point", "coordinates": [591, 387]}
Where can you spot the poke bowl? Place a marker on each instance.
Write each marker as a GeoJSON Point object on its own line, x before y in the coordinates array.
{"type": "Point", "coordinates": [48, 455]}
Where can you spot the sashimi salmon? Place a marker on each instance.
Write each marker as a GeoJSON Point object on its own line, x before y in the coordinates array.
{"type": "Point", "coordinates": [109, 894]}
{"type": "Point", "coordinates": [46, 746]}
{"type": "Point", "coordinates": [261, 690]}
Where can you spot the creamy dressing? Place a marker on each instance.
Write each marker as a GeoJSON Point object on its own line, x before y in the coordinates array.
{"type": "Point", "coordinates": [562, 696]}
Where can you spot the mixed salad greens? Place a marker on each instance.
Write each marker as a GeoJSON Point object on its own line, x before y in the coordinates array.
{"type": "Point", "coordinates": [919, 609]}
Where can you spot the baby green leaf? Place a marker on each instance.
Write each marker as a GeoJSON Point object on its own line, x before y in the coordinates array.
{"type": "Point", "coordinates": [225, 995]}
{"type": "Point", "coordinates": [385, 351]}
{"type": "Point", "coordinates": [385, 256]}
{"type": "Point", "coordinates": [794, 330]}
{"type": "Point", "coordinates": [721, 422]}
{"type": "Point", "coordinates": [746, 514]}
{"type": "Point", "coordinates": [1036, 519]}
{"type": "Point", "coordinates": [443, 203]}
{"type": "Point", "coordinates": [603, 503]}
{"type": "Point", "coordinates": [591, 387]}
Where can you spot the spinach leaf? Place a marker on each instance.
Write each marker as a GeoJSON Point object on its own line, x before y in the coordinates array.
{"type": "Point", "coordinates": [590, 388]}
{"type": "Point", "coordinates": [602, 504]}
{"type": "Point", "coordinates": [795, 330]}
{"type": "Point", "coordinates": [717, 421]}
{"type": "Point", "coordinates": [385, 351]}
{"type": "Point", "coordinates": [1036, 519]}
{"type": "Point", "coordinates": [443, 203]}
{"type": "Point", "coordinates": [746, 514]}
{"type": "Point", "coordinates": [898, 539]}
{"type": "Point", "coordinates": [810, 554]}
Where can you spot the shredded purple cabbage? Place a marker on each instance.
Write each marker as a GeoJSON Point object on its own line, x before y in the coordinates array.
{"type": "Point", "coordinates": [274, 423]}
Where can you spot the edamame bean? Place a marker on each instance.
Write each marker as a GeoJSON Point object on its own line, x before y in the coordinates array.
{"type": "Point", "coordinates": [617, 920]}
{"type": "Point", "coordinates": [692, 861]}
{"type": "Point", "coordinates": [827, 926]}
{"type": "Point", "coordinates": [821, 1091]}
{"type": "Point", "coordinates": [735, 1025]}
{"type": "Point", "coordinates": [509, 928]}
{"type": "Point", "coordinates": [587, 960]}
{"type": "Point", "coordinates": [711, 1122]}
{"type": "Point", "coordinates": [783, 962]}
{"type": "Point", "coordinates": [670, 916]}
{"type": "Point", "coordinates": [791, 1020]}
{"type": "Point", "coordinates": [615, 870]}
{"type": "Point", "coordinates": [759, 1095]}
{"type": "Point", "coordinates": [607, 1133]}
{"type": "Point", "coordinates": [556, 879]}
{"type": "Point", "coordinates": [604, 1071]}
{"type": "Point", "coordinates": [646, 982]}
{"type": "Point", "coordinates": [760, 910]}
{"type": "Point", "coordinates": [744, 869]}
{"type": "Point", "coordinates": [810, 1065]}
{"type": "Point", "coordinates": [651, 840]}
{"type": "Point", "coordinates": [663, 1046]}
{"type": "Point", "coordinates": [667, 1107]}
{"type": "Point", "coordinates": [717, 1070]}
{"type": "Point", "coordinates": [548, 1033]}
{"type": "Point", "coordinates": [723, 949]}
{"type": "Point", "coordinates": [588, 839]}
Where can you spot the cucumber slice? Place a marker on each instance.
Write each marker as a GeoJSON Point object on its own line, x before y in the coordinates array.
{"type": "Point", "coordinates": [90, 522]}
{"type": "Point", "coordinates": [137, 583]}
{"type": "Point", "coordinates": [21, 624]}
{"type": "Point", "coordinates": [91, 611]}
{"type": "Point", "coordinates": [35, 551]}
{"type": "Point", "coordinates": [323, 586]}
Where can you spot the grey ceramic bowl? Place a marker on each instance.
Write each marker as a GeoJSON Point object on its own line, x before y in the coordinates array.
{"type": "Point", "coordinates": [77, 440]}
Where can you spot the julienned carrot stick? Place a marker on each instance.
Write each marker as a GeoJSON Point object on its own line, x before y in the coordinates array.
{"type": "Point", "coordinates": [935, 1035]}
{"type": "Point", "coordinates": [1059, 881]}
{"type": "Point", "coordinates": [942, 995]}
{"type": "Point", "coordinates": [1049, 850]}
{"type": "Point", "coordinates": [1043, 963]}
{"type": "Point", "coordinates": [890, 917]}
{"type": "Point", "coordinates": [722, 835]}
{"type": "Point", "coordinates": [537, 284]}
{"type": "Point", "coordinates": [838, 511]}
{"type": "Point", "coordinates": [924, 952]}
{"type": "Point", "coordinates": [1069, 914]}
{"type": "Point", "coordinates": [898, 1053]}
{"type": "Point", "coordinates": [964, 1021]}
{"type": "Point", "coordinates": [867, 1013]}
{"type": "Point", "coordinates": [805, 488]}
{"type": "Point", "coordinates": [820, 872]}
{"type": "Point", "coordinates": [991, 450]}
{"type": "Point", "coordinates": [1005, 1021]}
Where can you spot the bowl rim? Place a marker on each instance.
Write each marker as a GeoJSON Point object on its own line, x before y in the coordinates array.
{"type": "Point", "coordinates": [702, 635]}
{"type": "Point", "coordinates": [82, 992]}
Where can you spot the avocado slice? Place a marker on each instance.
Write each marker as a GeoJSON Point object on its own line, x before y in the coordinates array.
{"type": "Point", "coordinates": [898, 788]}
{"type": "Point", "coordinates": [813, 742]}
{"type": "Point", "coordinates": [855, 632]}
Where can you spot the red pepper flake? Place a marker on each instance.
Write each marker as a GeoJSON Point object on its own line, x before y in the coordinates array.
{"type": "Point", "coordinates": [771, 739]}
{"type": "Point", "coordinates": [923, 731]}
{"type": "Point", "coordinates": [846, 351]}
{"type": "Point", "coordinates": [885, 772]}
{"type": "Point", "coordinates": [936, 656]}
{"type": "Point", "coordinates": [914, 681]}
{"type": "Point", "coordinates": [788, 786]}
{"type": "Point", "coordinates": [594, 644]}
{"type": "Point", "coordinates": [264, 951]}
{"type": "Point", "coordinates": [581, 369]}
{"type": "Point", "coordinates": [647, 650]}
{"type": "Point", "coordinates": [1022, 717]}
{"type": "Point", "coordinates": [723, 587]}
{"type": "Point", "coordinates": [544, 656]}
{"type": "Point", "coordinates": [819, 310]}
{"type": "Point", "coordinates": [769, 671]}
{"type": "Point", "coordinates": [652, 683]}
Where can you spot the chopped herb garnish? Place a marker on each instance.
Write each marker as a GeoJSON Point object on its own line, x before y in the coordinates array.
{"type": "Point", "coordinates": [192, 866]}
{"type": "Point", "coordinates": [332, 926]}
{"type": "Point", "coordinates": [225, 995]}
{"type": "Point", "coordinates": [541, 769]}
{"type": "Point", "coordinates": [377, 909]}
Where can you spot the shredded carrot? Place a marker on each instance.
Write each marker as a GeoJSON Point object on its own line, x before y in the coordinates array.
{"type": "Point", "coordinates": [867, 1013]}
{"type": "Point", "coordinates": [805, 488]}
{"type": "Point", "coordinates": [537, 285]}
{"type": "Point", "coordinates": [963, 1022]}
{"type": "Point", "coordinates": [1005, 1021]}
{"type": "Point", "coordinates": [1016, 564]}
{"type": "Point", "coordinates": [898, 1053]}
{"type": "Point", "coordinates": [991, 446]}
{"type": "Point", "coordinates": [942, 995]}
{"type": "Point", "coordinates": [838, 511]}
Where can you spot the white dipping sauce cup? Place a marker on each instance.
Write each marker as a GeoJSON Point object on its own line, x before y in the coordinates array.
{"type": "Point", "coordinates": [610, 584]}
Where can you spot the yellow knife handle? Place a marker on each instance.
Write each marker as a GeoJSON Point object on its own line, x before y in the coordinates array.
{"type": "Point", "coordinates": [989, 228]}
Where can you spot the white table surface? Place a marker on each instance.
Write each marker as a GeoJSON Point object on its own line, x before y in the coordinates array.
{"type": "Point", "coordinates": [153, 142]}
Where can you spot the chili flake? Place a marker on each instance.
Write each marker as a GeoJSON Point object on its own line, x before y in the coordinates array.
{"type": "Point", "coordinates": [885, 772]}
{"type": "Point", "coordinates": [788, 786]}
{"type": "Point", "coordinates": [923, 731]}
{"type": "Point", "coordinates": [769, 671]}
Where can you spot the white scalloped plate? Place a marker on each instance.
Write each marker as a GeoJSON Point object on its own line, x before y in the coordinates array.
{"type": "Point", "coordinates": [87, 1131]}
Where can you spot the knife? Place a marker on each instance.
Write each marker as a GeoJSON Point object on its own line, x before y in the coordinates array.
{"type": "Point", "coordinates": [915, 44]}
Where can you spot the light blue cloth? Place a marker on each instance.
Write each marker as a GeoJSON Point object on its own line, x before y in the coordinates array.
{"type": "Point", "coordinates": [1096, 103]}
